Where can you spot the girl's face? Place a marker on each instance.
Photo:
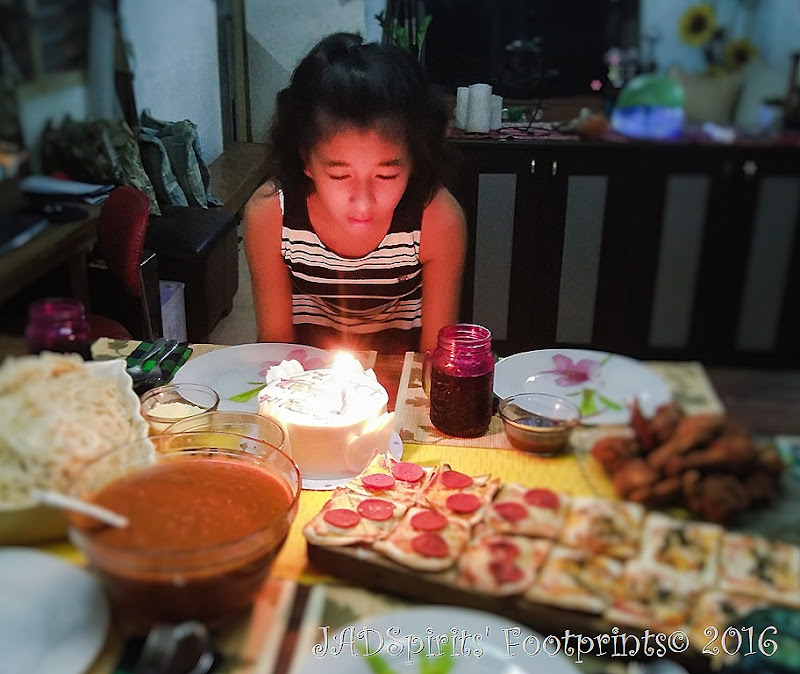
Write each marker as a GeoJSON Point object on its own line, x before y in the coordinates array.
{"type": "Point", "coordinates": [359, 176]}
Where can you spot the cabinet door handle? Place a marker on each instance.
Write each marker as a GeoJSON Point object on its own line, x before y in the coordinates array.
{"type": "Point", "coordinates": [533, 166]}
{"type": "Point", "coordinates": [555, 167]}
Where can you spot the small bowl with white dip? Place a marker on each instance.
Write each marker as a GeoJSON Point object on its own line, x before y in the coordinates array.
{"type": "Point", "coordinates": [165, 405]}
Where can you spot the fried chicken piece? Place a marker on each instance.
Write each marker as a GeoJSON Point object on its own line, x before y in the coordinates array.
{"type": "Point", "coordinates": [770, 459]}
{"type": "Point", "coordinates": [728, 453]}
{"type": "Point", "coordinates": [641, 427]}
{"type": "Point", "coordinates": [614, 451]}
{"type": "Point", "coordinates": [665, 492]}
{"type": "Point", "coordinates": [761, 486]}
{"type": "Point", "coordinates": [692, 431]}
{"type": "Point", "coordinates": [665, 421]}
{"type": "Point", "coordinates": [635, 474]}
{"type": "Point", "coordinates": [716, 498]}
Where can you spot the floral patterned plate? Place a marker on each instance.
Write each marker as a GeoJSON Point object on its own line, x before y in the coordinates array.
{"type": "Point", "coordinates": [238, 373]}
{"type": "Point", "coordinates": [603, 385]}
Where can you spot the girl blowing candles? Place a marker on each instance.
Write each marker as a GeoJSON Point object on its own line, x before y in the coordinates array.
{"type": "Point", "coordinates": [354, 242]}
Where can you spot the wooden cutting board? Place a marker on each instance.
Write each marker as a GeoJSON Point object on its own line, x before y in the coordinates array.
{"type": "Point", "coordinates": [369, 569]}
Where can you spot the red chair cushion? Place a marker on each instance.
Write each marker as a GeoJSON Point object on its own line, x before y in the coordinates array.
{"type": "Point", "coordinates": [103, 326]}
{"type": "Point", "coordinates": [121, 232]}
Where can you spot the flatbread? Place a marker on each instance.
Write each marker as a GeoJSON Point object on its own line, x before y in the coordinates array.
{"type": "Point", "coordinates": [527, 511]}
{"type": "Point", "coordinates": [603, 526]}
{"type": "Point", "coordinates": [501, 565]}
{"type": "Point", "coordinates": [432, 546]}
{"type": "Point", "coordinates": [348, 518]}
{"type": "Point", "coordinates": [688, 547]}
{"type": "Point", "coordinates": [577, 579]}
{"type": "Point", "coordinates": [762, 568]}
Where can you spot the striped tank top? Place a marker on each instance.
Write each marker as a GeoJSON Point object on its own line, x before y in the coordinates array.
{"type": "Point", "coordinates": [379, 292]}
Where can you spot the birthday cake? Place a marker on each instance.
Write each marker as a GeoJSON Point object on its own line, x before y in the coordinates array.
{"type": "Point", "coordinates": [335, 418]}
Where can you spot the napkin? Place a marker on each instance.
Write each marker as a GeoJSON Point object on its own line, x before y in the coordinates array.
{"type": "Point", "coordinates": [168, 367]}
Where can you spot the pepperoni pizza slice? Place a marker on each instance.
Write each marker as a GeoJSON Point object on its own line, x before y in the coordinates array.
{"type": "Point", "coordinates": [652, 597]}
{"type": "Point", "coordinates": [527, 511]}
{"type": "Point", "coordinates": [460, 496]}
{"type": "Point", "coordinates": [349, 518]}
{"type": "Point", "coordinates": [576, 579]}
{"type": "Point", "coordinates": [501, 565]}
{"type": "Point", "coordinates": [425, 540]}
{"type": "Point", "coordinates": [762, 568]}
{"type": "Point", "coordinates": [399, 481]}
{"type": "Point", "coordinates": [603, 526]}
{"type": "Point", "coordinates": [685, 546]}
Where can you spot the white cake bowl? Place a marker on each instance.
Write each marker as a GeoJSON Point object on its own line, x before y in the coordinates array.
{"type": "Point", "coordinates": [336, 417]}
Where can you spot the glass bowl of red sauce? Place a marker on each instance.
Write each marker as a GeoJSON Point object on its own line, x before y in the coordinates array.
{"type": "Point", "coordinates": [538, 423]}
{"type": "Point", "coordinates": [207, 514]}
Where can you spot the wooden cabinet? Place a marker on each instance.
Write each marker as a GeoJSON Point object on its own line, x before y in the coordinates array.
{"type": "Point", "coordinates": [666, 251]}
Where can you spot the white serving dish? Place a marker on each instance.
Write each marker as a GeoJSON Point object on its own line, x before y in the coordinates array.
{"type": "Point", "coordinates": [34, 523]}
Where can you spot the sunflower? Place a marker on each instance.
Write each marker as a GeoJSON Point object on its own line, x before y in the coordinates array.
{"type": "Point", "coordinates": [697, 25]}
{"type": "Point", "coordinates": [738, 53]}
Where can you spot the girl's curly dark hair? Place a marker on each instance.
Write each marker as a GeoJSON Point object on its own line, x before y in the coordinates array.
{"type": "Point", "coordinates": [343, 82]}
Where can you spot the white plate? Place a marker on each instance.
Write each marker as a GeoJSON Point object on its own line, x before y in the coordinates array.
{"type": "Point", "coordinates": [601, 384]}
{"type": "Point", "coordinates": [491, 649]}
{"type": "Point", "coordinates": [240, 369]}
{"type": "Point", "coordinates": [395, 449]}
{"type": "Point", "coordinates": [54, 616]}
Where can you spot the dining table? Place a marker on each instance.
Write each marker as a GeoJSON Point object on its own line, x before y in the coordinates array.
{"type": "Point", "coordinates": [278, 634]}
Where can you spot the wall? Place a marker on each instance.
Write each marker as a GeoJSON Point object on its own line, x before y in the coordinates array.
{"type": "Point", "coordinates": [280, 32]}
{"type": "Point", "coordinates": [774, 28]}
{"type": "Point", "coordinates": [175, 63]}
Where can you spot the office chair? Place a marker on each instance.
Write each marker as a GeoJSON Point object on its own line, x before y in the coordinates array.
{"type": "Point", "coordinates": [121, 230]}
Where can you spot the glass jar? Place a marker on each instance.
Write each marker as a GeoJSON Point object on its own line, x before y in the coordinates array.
{"type": "Point", "coordinates": [461, 375]}
{"type": "Point", "coordinates": [60, 325]}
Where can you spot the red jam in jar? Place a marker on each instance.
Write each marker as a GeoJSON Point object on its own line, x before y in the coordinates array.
{"type": "Point", "coordinates": [461, 380]}
{"type": "Point", "coordinates": [58, 324]}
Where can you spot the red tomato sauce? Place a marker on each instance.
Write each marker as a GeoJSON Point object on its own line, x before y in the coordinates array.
{"type": "Point", "coordinates": [182, 504]}
{"type": "Point", "coordinates": [181, 556]}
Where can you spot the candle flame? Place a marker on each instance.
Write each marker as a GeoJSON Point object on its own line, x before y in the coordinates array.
{"type": "Point", "coordinates": [344, 361]}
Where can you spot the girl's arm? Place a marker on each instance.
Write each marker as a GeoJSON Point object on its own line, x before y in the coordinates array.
{"type": "Point", "coordinates": [272, 292]}
{"type": "Point", "coordinates": [443, 243]}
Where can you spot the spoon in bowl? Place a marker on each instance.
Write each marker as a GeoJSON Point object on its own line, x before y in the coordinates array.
{"type": "Point", "coordinates": [59, 500]}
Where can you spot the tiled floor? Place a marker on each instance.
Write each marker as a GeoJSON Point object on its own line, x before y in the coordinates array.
{"type": "Point", "coordinates": [239, 326]}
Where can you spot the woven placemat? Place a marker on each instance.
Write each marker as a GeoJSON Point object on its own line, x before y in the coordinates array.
{"type": "Point", "coordinates": [690, 385]}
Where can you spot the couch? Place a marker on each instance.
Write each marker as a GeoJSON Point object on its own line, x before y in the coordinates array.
{"type": "Point", "coordinates": [199, 247]}
{"type": "Point", "coordinates": [735, 98]}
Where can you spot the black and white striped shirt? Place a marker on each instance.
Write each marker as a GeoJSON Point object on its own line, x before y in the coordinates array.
{"type": "Point", "coordinates": [380, 291]}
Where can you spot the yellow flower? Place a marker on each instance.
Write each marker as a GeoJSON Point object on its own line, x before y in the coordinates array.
{"type": "Point", "coordinates": [697, 25]}
{"type": "Point", "coordinates": [739, 53]}
{"type": "Point", "coordinates": [715, 71]}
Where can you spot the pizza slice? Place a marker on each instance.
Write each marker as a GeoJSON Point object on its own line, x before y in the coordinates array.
{"type": "Point", "coordinates": [577, 579]}
{"type": "Point", "coordinates": [761, 568]}
{"type": "Point", "coordinates": [527, 511]}
{"type": "Point", "coordinates": [460, 496]}
{"type": "Point", "coordinates": [603, 526]}
{"type": "Point", "coordinates": [348, 518]}
{"type": "Point", "coordinates": [685, 546]}
{"type": "Point", "coordinates": [425, 540]}
{"type": "Point", "coordinates": [501, 565]}
{"type": "Point", "coordinates": [715, 612]}
{"type": "Point", "coordinates": [652, 597]}
{"type": "Point", "coordinates": [399, 481]}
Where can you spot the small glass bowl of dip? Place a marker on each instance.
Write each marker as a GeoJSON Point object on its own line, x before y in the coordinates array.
{"type": "Point", "coordinates": [164, 405]}
{"type": "Point", "coordinates": [538, 423]}
{"type": "Point", "coordinates": [207, 514]}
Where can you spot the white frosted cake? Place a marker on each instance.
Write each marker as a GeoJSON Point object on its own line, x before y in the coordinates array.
{"type": "Point", "coordinates": [335, 418]}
